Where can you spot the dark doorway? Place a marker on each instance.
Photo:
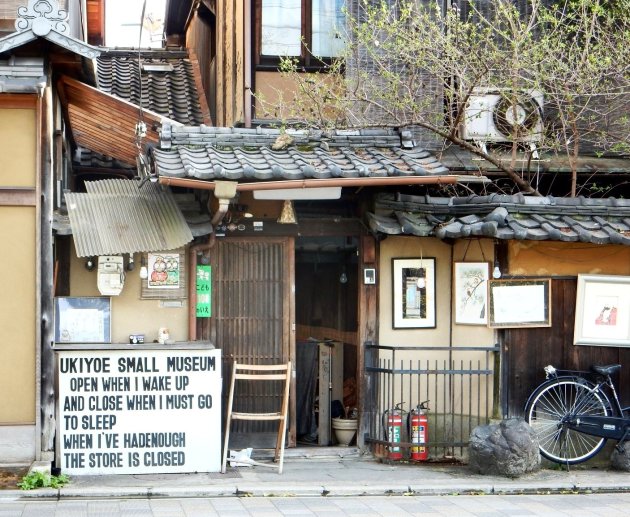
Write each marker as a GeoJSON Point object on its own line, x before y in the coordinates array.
{"type": "Point", "coordinates": [326, 296]}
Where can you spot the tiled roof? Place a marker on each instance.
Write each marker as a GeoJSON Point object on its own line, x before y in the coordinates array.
{"type": "Point", "coordinates": [215, 153]}
{"type": "Point", "coordinates": [598, 221]}
{"type": "Point", "coordinates": [168, 83]}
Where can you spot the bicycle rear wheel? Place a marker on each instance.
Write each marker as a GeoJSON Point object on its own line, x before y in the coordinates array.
{"type": "Point", "coordinates": [546, 410]}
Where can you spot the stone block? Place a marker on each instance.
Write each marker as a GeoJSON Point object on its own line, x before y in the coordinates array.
{"type": "Point", "coordinates": [509, 448]}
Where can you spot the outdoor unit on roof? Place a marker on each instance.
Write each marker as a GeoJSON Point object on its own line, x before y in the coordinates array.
{"type": "Point", "coordinates": [499, 115]}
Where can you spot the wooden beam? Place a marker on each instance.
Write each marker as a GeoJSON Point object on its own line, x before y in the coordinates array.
{"type": "Point", "coordinates": [18, 196]}
{"type": "Point", "coordinates": [18, 101]}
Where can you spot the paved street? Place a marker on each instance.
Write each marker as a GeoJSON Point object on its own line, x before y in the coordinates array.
{"type": "Point", "coordinates": [576, 505]}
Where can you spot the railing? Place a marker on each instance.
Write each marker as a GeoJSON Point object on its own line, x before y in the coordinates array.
{"type": "Point", "coordinates": [459, 384]}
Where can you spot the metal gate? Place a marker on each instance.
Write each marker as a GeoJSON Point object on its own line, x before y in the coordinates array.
{"type": "Point", "coordinates": [459, 384]}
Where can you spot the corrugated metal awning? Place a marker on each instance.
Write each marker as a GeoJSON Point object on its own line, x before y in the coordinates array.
{"type": "Point", "coordinates": [118, 216]}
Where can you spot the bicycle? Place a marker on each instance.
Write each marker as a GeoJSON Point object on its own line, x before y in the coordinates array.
{"type": "Point", "coordinates": [572, 415]}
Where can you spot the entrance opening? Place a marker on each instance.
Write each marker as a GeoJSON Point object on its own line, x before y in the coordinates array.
{"type": "Point", "coordinates": [326, 296]}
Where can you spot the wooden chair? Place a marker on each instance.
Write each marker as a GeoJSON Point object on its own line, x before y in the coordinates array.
{"type": "Point", "coordinates": [260, 372]}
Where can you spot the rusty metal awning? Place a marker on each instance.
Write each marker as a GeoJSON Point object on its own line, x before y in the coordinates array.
{"type": "Point", "coordinates": [120, 216]}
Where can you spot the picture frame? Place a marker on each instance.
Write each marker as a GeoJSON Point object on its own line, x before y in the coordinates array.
{"type": "Point", "coordinates": [471, 292]}
{"type": "Point", "coordinates": [172, 284]}
{"type": "Point", "coordinates": [413, 293]}
{"type": "Point", "coordinates": [602, 311]}
{"type": "Point", "coordinates": [522, 302]}
{"type": "Point", "coordinates": [83, 319]}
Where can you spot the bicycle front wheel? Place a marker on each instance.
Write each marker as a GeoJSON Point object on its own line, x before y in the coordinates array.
{"type": "Point", "coordinates": [546, 410]}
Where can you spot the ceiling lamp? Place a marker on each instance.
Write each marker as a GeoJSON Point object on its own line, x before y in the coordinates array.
{"type": "Point", "coordinates": [287, 216]}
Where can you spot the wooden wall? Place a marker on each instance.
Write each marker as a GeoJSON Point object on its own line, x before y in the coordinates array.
{"type": "Point", "coordinates": [218, 41]}
{"type": "Point", "coordinates": [527, 351]}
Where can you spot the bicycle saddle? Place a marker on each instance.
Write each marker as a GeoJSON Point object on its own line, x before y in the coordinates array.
{"type": "Point", "coordinates": [606, 370]}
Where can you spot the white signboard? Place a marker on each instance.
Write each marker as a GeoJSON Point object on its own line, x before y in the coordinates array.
{"type": "Point", "coordinates": [139, 411]}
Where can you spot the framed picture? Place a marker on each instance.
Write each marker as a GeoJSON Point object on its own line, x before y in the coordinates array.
{"type": "Point", "coordinates": [166, 275]}
{"type": "Point", "coordinates": [520, 303]}
{"type": "Point", "coordinates": [413, 282]}
{"type": "Point", "coordinates": [602, 311]}
{"type": "Point", "coordinates": [471, 293]}
{"type": "Point", "coordinates": [83, 319]}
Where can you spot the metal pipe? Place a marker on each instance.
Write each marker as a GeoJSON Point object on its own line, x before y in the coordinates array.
{"type": "Point", "coordinates": [314, 183]}
{"type": "Point", "coordinates": [247, 43]}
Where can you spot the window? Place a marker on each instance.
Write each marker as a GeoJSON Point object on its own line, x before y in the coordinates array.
{"type": "Point", "coordinates": [301, 29]}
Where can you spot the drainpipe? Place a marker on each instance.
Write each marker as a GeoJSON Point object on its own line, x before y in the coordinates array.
{"type": "Point", "coordinates": [247, 43]}
{"type": "Point", "coordinates": [224, 192]}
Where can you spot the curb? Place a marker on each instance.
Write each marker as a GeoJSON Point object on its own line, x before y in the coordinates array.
{"type": "Point", "coordinates": [289, 491]}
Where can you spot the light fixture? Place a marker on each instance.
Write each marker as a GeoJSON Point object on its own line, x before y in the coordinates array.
{"type": "Point", "coordinates": [287, 216]}
{"type": "Point", "coordinates": [421, 282]}
{"type": "Point", "coordinates": [90, 264]}
{"type": "Point", "coordinates": [131, 264]}
{"type": "Point", "coordinates": [144, 272]}
{"type": "Point", "coordinates": [496, 272]}
{"type": "Point", "coordinates": [343, 278]}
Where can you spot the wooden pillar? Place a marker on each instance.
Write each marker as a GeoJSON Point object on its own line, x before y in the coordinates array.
{"type": "Point", "coordinates": [367, 331]}
{"type": "Point", "coordinates": [46, 274]}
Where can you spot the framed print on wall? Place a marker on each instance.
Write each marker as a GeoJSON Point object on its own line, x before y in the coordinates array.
{"type": "Point", "coordinates": [83, 319]}
{"type": "Point", "coordinates": [602, 310]}
{"type": "Point", "coordinates": [520, 303]}
{"type": "Point", "coordinates": [413, 295]}
{"type": "Point", "coordinates": [471, 293]}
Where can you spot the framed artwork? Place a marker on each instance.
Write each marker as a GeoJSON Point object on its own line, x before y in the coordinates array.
{"type": "Point", "coordinates": [413, 281]}
{"type": "Point", "coordinates": [471, 293]}
{"type": "Point", "coordinates": [602, 310]}
{"type": "Point", "coordinates": [83, 319]}
{"type": "Point", "coordinates": [520, 303]}
{"type": "Point", "coordinates": [166, 275]}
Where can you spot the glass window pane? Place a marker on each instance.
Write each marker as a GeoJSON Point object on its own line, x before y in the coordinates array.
{"type": "Point", "coordinates": [281, 27]}
{"type": "Point", "coordinates": [328, 28]}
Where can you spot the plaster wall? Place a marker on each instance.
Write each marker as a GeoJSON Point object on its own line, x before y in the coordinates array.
{"type": "Point", "coordinates": [17, 159]}
{"type": "Point", "coordinates": [130, 313]}
{"type": "Point", "coordinates": [446, 333]}
{"type": "Point", "coordinates": [18, 315]}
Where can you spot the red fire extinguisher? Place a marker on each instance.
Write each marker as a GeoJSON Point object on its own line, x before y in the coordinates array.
{"type": "Point", "coordinates": [393, 425]}
{"type": "Point", "coordinates": [419, 432]}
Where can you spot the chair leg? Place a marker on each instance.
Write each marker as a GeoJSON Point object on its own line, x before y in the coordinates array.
{"type": "Point", "coordinates": [228, 422]}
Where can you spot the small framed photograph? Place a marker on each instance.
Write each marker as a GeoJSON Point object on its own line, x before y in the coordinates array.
{"type": "Point", "coordinates": [602, 310]}
{"type": "Point", "coordinates": [520, 303]}
{"type": "Point", "coordinates": [413, 298]}
{"type": "Point", "coordinates": [471, 293]}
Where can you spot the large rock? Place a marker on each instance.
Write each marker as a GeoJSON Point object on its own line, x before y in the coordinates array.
{"type": "Point", "coordinates": [621, 460]}
{"type": "Point", "coordinates": [509, 448]}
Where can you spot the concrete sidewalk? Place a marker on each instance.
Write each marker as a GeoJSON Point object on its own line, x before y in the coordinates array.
{"type": "Point", "coordinates": [334, 472]}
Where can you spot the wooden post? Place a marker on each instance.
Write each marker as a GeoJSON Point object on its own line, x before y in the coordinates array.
{"type": "Point", "coordinates": [367, 331]}
{"type": "Point", "coordinates": [45, 294]}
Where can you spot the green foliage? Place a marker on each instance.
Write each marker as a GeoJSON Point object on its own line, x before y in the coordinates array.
{"type": "Point", "coordinates": [410, 63]}
{"type": "Point", "coordinates": [38, 479]}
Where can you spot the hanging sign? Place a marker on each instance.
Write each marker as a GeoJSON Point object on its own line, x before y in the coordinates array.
{"type": "Point", "coordinates": [204, 291]}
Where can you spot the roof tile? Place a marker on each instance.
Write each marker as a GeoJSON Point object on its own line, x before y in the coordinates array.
{"type": "Point", "coordinates": [506, 217]}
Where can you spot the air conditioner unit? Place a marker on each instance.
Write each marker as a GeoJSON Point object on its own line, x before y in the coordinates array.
{"type": "Point", "coordinates": [499, 115]}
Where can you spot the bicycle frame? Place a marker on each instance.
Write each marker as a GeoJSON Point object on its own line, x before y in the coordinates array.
{"type": "Point", "coordinates": [610, 427]}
